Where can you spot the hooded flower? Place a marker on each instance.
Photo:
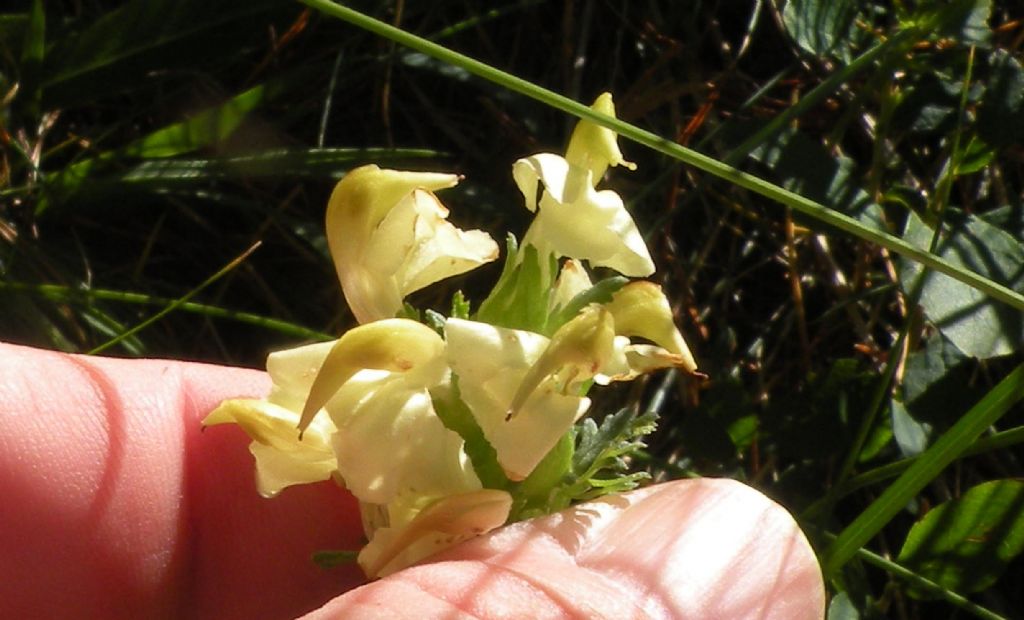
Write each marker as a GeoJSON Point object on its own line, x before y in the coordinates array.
{"type": "Point", "coordinates": [414, 532]}
{"type": "Point", "coordinates": [389, 236]}
{"type": "Point", "coordinates": [416, 485]}
{"type": "Point", "coordinates": [281, 459]}
{"type": "Point", "coordinates": [525, 390]}
{"type": "Point", "coordinates": [641, 309]}
{"type": "Point", "coordinates": [575, 219]}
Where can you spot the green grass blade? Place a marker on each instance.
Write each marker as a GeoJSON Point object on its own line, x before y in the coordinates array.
{"type": "Point", "coordinates": [674, 150]}
{"type": "Point", "coordinates": [817, 95]}
{"type": "Point", "coordinates": [305, 163]}
{"type": "Point", "coordinates": [67, 294]}
{"type": "Point", "coordinates": [996, 441]}
{"type": "Point", "coordinates": [177, 302]}
{"type": "Point", "coordinates": [925, 584]}
{"type": "Point", "coordinates": [927, 466]}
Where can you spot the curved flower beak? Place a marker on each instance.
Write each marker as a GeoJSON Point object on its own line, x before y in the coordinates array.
{"type": "Point", "coordinates": [498, 368]}
{"type": "Point", "coordinates": [389, 441]}
{"type": "Point", "coordinates": [389, 236]}
{"type": "Point", "coordinates": [394, 345]}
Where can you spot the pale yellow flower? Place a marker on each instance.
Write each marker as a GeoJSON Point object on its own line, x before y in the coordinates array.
{"type": "Point", "coordinates": [417, 488]}
{"type": "Point", "coordinates": [281, 458]}
{"type": "Point", "coordinates": [493, 364]}
{"type": "Point", "coordinates": [574, 218]}
{"type": "Point", "coordinates": [414, 531]}
{"type": "Point", "coordinates": [389, 236]}
{"type": "Point", "coordinates": [374, 384]}
{"type": "Point", "coordinates": [641, 309]}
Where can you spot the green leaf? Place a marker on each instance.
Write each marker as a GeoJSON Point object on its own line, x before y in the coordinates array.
{"type": "Point", "coordinates": [911, 436]}
{"type": "Point", "coordinates": [600, 293]}
{"type": "Point", "coordinates": [965, 544]}
{"type": "Point", "coordinates": [520, 298]}
{"type": "Point", "coordinates": [965, 21]}
{"type": "Point", "coordinates": [937, 382]}
{"type": "Point", "coordinates": [456, 416]}
{"type": "Point", "coordinates": [460, 306]}
{"type": "Point", "coordinates": [974, 324]}
{"type": "Point", "coordinates": [819, 27]}
{"type": "Point", "coordinates": [806, 167]}
{"type": "Point", "coordinates": [977, 156]}
{"type": "Point", "coordinates": [599, 463]}
{"type": "Point", "coordinates": [536, 494]}
{"type": "Point", "coordinates": [842, 608]}
{"type": "Point", "coordinates": [924, 469]}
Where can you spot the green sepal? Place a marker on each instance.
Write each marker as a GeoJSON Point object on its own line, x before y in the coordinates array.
{"type": "Point", "coordinates": [600, 293]}
{"type": "Point", "coordinates": [520, 298]}
{"type": "Point", "coordinates": [537, 494]}
{"type": "Point", "coordinates": [456, 416]}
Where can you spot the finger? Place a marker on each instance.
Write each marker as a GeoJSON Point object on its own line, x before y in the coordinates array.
{"type": "Point", "coordinates": [689, 549]}
{"type": "Point", "coordinates": [116, 505]}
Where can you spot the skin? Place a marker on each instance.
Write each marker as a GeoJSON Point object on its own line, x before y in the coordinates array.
{"type": "Point", "coordinates": [116, 505]}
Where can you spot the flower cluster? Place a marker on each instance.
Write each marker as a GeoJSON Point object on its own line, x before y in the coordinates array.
{"type": "Point", "coordinates": [446, 428]}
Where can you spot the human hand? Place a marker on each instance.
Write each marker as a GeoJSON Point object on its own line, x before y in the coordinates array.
{"type": "Point", "coordinates": [116, 505]}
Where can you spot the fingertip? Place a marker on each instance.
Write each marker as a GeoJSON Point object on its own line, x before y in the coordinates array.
{"type": "Point", "coordinates": [697, 548]}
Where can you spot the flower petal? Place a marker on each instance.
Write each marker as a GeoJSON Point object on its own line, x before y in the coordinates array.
{"type": "Point", "coordinates": [444, 523]}
{"type": "Point", "coordinates": [441, 249]}
{"type": "Point", "coordinates": [572, 280]}
{"type": "Point", "coordinates": [391, 442]}
{"type": "Point", "coordinates": [281, 458]}
{"type": "Point", "coordinates": [491, 364]}
{"type": "Point", "coordinates": [578, 221]}
{"type": "Point", "coordinates": [388, 237]}
{"type": "Point", "coordinates": [641, 309]}
{"type": "Point", "coordinates": [394, 345]}
{"type": "Point", "coordinates": [293, 371]}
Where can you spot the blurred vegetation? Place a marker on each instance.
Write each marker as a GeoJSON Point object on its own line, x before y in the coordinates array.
{"type": "Point", "coordinates": [145, 146]}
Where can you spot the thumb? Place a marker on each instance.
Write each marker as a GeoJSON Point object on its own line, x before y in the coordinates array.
{"type": "Point", "coordinates": [687, 549]}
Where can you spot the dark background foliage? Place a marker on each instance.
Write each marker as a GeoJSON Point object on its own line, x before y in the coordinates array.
{"type": "Point", "coordinates": [147, 144]}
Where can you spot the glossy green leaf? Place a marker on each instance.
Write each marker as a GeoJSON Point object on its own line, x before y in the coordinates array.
{"type": "Point", "coordinates": [964, 21]}
{"type": "Point", "coordinates": [819, 27]}
{"type": "Point", "coordinates": [924, 469]}
{"type": "Point", "coordinates": [965, 544]}
{"type": "Point", "coordinates": [974, 324]}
